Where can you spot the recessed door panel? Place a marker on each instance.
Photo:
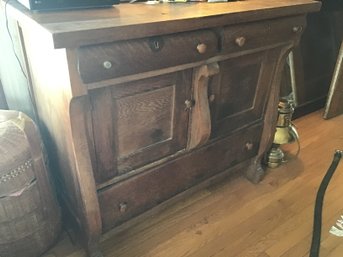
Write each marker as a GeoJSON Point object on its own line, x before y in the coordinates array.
{"type": "Point", "coordinates": [140, 122]}
{"type": "Point", "coordinates": [239, 91]}
{"type": "Point", "coordinates": [144, 120]}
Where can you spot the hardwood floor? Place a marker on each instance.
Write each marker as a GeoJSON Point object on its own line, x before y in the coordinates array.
{"type": "Point", "coordinates": [238, 219]}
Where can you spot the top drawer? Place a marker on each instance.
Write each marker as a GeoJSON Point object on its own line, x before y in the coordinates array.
{"type": "Point", "coordinates": [261, 34]}
{"type": "Point", "coordinates": [106, 61]}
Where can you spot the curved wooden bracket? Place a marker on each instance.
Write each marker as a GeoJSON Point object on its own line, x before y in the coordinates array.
{"type": "Point", "coordinates": [200, 119]}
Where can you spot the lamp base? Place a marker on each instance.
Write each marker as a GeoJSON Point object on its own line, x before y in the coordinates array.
{"type": "Point", "coordinates": [275, 157]}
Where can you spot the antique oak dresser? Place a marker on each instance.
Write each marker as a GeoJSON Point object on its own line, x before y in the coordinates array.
{"type": "Point", "coordinates": [138, 103]}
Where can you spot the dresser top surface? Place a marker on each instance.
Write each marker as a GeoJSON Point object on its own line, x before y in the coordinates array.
{"type": "Point", "coordinates": [127, 21]}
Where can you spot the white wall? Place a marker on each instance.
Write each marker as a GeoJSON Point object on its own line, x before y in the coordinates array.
{"type": "Point", "coordinates": [14, 83]}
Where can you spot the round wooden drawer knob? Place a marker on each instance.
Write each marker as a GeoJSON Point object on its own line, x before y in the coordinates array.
{"type": "Point", "coordinates": [189, 104]}
{"type": "Point", "coordinates": [123, 207]}
{"type": "Point", "coordinates": [297, 29]}
{"type": "Point", "coordinates": [240, 41]}
{"type": "Point", "coordinates": [249, 146]}
{"type": "Point", "coordinates": [107, 65]}
{"type": "Point", "coordinates": [201, 48]}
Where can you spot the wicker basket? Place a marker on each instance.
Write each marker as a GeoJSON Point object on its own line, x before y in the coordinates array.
{"type": "Point", "coordinates": [29, 214]}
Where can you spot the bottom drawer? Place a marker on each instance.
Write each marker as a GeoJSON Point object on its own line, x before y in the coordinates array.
{"type": "Point", "coordinates": [133, 196]}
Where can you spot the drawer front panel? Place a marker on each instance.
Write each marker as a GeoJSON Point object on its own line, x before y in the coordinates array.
{"type": "Point", "coordinates": [261, 34]}
{"type": "Point", "coordinates": [106, 61]}
{"type": "Point", "coordinates": [137, 194]}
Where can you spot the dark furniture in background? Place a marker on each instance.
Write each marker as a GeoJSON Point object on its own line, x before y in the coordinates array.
{"type": "Point", "coordinates": [316, 56]}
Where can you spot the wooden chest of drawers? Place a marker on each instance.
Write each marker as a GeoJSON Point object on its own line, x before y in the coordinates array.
{"type": "Point", "coordinates": [139, 103]}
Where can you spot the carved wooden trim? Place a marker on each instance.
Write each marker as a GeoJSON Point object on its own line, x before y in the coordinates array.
{"type": "Point", "coordinates": [255, 172]}
{"type": "Point", "coordinates": [200, 119]}
{"type": "Point", "coordinates": [90, 212]}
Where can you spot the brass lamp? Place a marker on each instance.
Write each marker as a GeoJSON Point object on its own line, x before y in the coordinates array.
{"type": "Point", "coordinates": [286, 133]}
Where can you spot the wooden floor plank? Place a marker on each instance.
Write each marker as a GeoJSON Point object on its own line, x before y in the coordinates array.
{"type": "Point", "coordinates": [236, 218]}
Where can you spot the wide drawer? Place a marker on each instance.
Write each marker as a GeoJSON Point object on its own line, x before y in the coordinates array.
{"type": "Point", "coordinates": [261, 34]}
{"type": "Point", "coordinates": [106, 61]}
{"type": "Point", "coordinates": [137, 194]}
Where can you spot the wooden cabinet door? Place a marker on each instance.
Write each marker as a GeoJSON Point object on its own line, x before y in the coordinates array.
{"type": "Point", "coordinates": [137, 123]}
{"type": "Point", "coordinates": [238, 93]}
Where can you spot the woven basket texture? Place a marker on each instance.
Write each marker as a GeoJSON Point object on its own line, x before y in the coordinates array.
{"type": "Point", "coordinates": [30, 219]}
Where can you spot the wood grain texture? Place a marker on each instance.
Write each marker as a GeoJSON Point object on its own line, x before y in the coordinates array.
{"type": "Point", "coordinates": [140, 122]}
{"type": "Point", "coordinates": [255, 173]}
{"type": "Point", "coordinates": [239, 91]}
{"type": "Point", "coordinates": [156, 185]}
{"type": "Point", "coordinates": [200, 122]}
{"type": "Point", "coordinates": [103, 135]}
{"type": "Point", "coordinates": [62, 109]}
{"type": "Point", "coordinates": [118, 144]}
{"type": "Point", "coordinates": [238, 219]}
{"type": "Point", "coordinates": [125, 21]}
{"type": "Point", "coordinates": [261, 33]}
{"type": "Point", "coordinates": [144, 119]}
{"type": "Point", "coordinates": [142, 55]}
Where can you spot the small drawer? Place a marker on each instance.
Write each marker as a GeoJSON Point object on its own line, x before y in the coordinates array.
{"type": "Point", "coordinates": [107, 61]}
{"type": "Point", "coordinates": [133, 196]}
{"type": "Point", "coordinates": [261, 34]}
